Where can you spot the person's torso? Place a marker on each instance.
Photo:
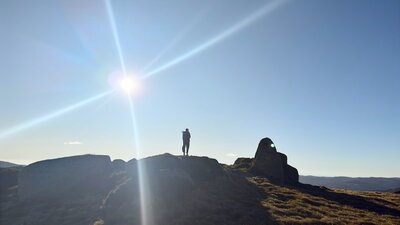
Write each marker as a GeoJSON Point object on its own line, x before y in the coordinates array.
{"type": "Point", "coordinates": [186, 136]}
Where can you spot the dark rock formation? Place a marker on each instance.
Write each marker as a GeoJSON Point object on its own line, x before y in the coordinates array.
{"type": "Point", "coordinates": [163, 189]}
{"type": "Point", "coordinates": [265, 145]}
{"type": "Point", "coordinates": [243, 163]}
{"type": "Point", "coordinates": [57, 176]}
{"type": "Point", "coordinates": [9, 177]}
{"type": "Point", "coordinates": [182, 190]}
{"type": "Point", "coordinates": [118, 165]}
{"type": "Point", "coordinates": [291, 175]}
{"type": "Point", "coordinates": [171, 190]}
{"type": "Point", "coordinates": [269, 163]}
{"type": "Point", "coordinates": [4, 164]}
{"type": "Point", "coordinates": [9, 180]}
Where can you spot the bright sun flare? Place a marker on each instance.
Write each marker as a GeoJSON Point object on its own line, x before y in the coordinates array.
{"type": "Point", "coordinates": [128, 85]}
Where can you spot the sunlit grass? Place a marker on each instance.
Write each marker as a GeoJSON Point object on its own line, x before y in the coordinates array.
{"type": "Point", "coordinates": [289, 205]}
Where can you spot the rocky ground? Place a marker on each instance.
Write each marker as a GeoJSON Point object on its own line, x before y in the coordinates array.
{"type": "Point", "coordinates": [167, 189]}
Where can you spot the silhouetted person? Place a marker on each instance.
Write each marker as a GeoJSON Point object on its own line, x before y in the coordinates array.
{"type": "Point", "coordinates": [186, 141]}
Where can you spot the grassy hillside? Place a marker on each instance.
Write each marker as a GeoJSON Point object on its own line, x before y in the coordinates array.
{"type": "Point", "coordinates": [306, 204]}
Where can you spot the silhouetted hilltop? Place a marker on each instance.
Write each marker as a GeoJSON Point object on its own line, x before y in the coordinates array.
{"type": "Point", "coordinates": [50, 178]}
{"type": "Point", "coordinates": [4, 164]}
{"type": "Point", "coordinates": [167, 189]}
{"type": "Point", "coordinates": [89, 188]}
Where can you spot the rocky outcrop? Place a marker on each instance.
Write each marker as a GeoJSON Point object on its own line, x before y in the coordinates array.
{"type": "Point", "coordinates": [55, 177]}
{"type": "Point", "coordinates": [291, 175]}
{"type": "Point", "coordinates": [179, 190]}
{"type": "Point", "coordinates": [265, 146]}
{"type": "Point", "coordinates": [9, 177]}
{"type": "Point", "coordinates": [4, 164]}
{"type": "Point", "coordinates": [8, 180]}
{"type": "Point", "coordinates": [174, 190]}
{"type": "Point", "coordinates": [243, 163]}
{"type": "Point", "coordinates": [118, 165]}
{"type": "Point", "coordinates": [163, 189]}
{"type": "Point", "coordinates": [270, 163]}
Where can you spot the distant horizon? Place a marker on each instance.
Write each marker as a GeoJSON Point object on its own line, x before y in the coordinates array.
{"type": "Point", "coordinates": [126, 160]}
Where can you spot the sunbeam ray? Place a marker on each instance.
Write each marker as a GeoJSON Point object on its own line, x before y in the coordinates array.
{"type": "Point", "coordinates": [162, 53]}
{"type": "Point", "coordinates": [123, 67]}
{"type": "Point", "coordinates": [141, 170]}
{"type": "Point", "coordinates": [105, 102]}
{"type": "Point", "coordinates": [193, 22]}
{"type": "Point", "coordinates": [52, 115]}
{"type": "Point", "coordinates": [115, 34]}
{"type": "Point", "coordinates": [266, 9]}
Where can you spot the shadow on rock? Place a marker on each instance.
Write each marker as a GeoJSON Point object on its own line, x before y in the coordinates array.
{"type": "Point", "coordinates": [184, 190]}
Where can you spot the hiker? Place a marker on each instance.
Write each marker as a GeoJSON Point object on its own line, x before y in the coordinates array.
{"type": "Point", "coordinates": [186, 141]}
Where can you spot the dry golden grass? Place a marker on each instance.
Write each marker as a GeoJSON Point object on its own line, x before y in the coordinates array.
{"type": "Point", "coordinates": [308, 204]}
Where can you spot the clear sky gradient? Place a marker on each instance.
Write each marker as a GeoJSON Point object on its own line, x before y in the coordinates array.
{"type": "Point", "coordinates": [321, 78]}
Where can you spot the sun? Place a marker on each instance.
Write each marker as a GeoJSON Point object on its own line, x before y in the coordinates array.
{"type": "Point", "coordinates": [129, 85]}
{"type": "Point", "coordinates": [126, 83]}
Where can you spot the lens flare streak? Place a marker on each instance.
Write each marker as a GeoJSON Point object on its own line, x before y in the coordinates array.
{"type": "Point", "coordinates": [268, 8]}
{"type": "Point", "coordinates": [196, 19]}
{"type": "Point", "coordinates": [141, 170]}
{"type": "Point", "coordinates": [115, 35]}
{"type": "Point", "coordinates": [53, 115]}
{"type": "Point", "coordinates": [142, 175]}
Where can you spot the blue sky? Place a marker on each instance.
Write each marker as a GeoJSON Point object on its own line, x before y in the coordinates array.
{"type": "Point", "coordinates": [320, 78]}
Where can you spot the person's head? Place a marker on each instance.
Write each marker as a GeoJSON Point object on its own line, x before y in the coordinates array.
{"type": "Point", "coordinates": [187, 129]}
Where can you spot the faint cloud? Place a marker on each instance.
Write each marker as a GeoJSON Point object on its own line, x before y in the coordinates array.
{"type": "Point", "coordinates": [231, 155]}
{"type": "Point", "coordinates": [73, 143]}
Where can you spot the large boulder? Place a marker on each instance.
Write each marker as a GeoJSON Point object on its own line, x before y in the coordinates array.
{"type": "Point", "coordinates": [77, 175]}
{"type": "Point", "coordinates": [291, 175]}
{"type": "Point", "coordinates": [176, 190]}
{"type": "Point", "coordinates": [270, 163]}
{"type": "Point", "coordinates": [192, 169]}
{"type": "Point", "coordinates": [118, 165]}
{"type": "Point", "coordinates": [163, 189]}
{"type": "Point", "coordinates": [243, 163]}
{"type": "Point", "coordinates": [266, 145]}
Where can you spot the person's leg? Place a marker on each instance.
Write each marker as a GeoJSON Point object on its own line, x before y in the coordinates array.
{"type": "Point", "coordinates": [183, 149]}
{"type": "Point", "coordinates": [187, 148]}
